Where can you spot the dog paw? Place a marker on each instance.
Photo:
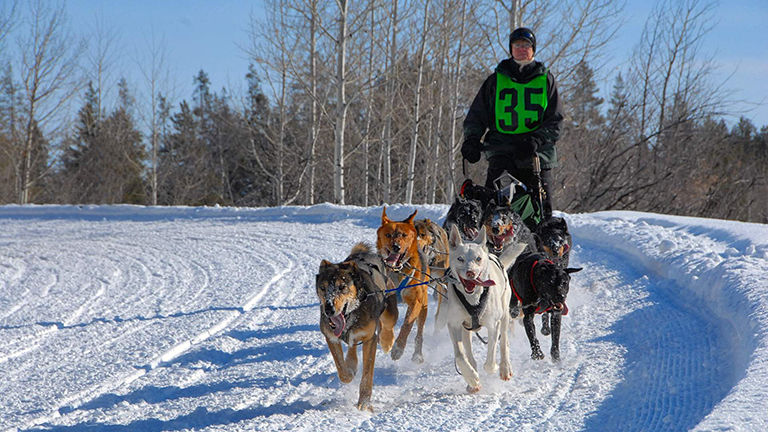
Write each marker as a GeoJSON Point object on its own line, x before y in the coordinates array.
{"type": "Point", "coordinates": [491, 368]}
{"type": "Point", "coordinates": [555, 355]}
{"type": "Point", "coordinates": [417, 358]}
{"type": "Point", "coordinates": [505, 372]}
{"type": "Point", "coordinates": [365, 405]}
{"type": "Point", "coordinates": [473, 389]}
{"type": "Point", "coordinates": [347, 376]}
{"type": "Point", "coordinates": [537, 355]}
{"type": "Point", "coordinates": [397, 352]}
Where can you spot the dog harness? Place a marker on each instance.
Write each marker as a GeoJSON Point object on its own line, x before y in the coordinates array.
{"type": "Point", "coordinates": [539, 310]}
{"type": "Point", "coordinates": [475, 311]}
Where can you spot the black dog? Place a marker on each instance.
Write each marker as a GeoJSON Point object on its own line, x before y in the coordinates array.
{"type": "Point", "coordinates": [553, 239]}
{"type": "Point", "coordinates": [467, 215]}
{"type": "Point", "coordinates": [539, 285]}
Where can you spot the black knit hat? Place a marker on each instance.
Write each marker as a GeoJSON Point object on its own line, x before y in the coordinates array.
{"type": "Point", "coordinates": [522, 33]}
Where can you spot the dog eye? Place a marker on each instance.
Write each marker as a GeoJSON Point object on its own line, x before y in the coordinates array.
{"type": "Point", "coordinates": [478, 259]}
{"type": "Point", "coordinates": [460, 259]}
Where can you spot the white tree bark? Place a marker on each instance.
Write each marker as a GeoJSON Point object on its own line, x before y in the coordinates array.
{"type": "Point", "coordinates": [341, 103]}
{"type": "Point", "coordinates": [416, 109]}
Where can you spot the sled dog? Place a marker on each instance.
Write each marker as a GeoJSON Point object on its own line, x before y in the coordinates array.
{"type": "Point", "coordinates": [397, 245]}
{"type": "Point", "coordinates": [355, 309]}
{"type": "Point", "coordinates": [467, 215]}
{"type": "Point", "coordinates": [540, 286]}
{"type": "Point", "coordinates": [433, 247]}
{"type": "Point", "coordinates": [478, 296]}
{"type": "Point", "coordinates": [553, 239]}
{"type": "Point", "coordinates": [505, 227]}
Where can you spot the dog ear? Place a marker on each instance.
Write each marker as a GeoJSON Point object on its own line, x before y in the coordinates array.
{"type": "Point", "coordinates": [410, 218]}
{"type": "Point", "coordinates": [454, 238]}
{"type": "Point", "coordinates": [348, 265]}
{"type": "Point", "coordinates": [573, 270]}
{"type": "Point", "coordinates": [325, 263]}
{"type": "Point", "coordinates": [384, 218]}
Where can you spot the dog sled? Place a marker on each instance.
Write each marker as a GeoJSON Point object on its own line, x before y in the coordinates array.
{"type": "Point", "coordinates": [511, 192]}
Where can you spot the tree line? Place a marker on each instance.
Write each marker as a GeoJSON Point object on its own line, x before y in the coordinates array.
{"type": "Point", "coordinates": [362, 102]}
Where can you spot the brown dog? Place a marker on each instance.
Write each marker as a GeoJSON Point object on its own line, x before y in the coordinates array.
{"type": "Point", "coordinates": [433, 247]}
{"type": "Point", "coordinates": [398, 245]}
{"type": "Point", "coordinates": [354, 308]}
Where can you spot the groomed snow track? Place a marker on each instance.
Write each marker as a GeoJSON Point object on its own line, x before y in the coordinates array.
{"type": "Point", "coordinates": [125, 318]}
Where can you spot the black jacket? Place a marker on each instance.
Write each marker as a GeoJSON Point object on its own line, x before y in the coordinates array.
{"type": "Point", "coordinates": [481, 117]}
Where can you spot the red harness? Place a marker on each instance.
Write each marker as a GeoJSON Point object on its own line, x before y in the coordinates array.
{"type": "Point", "coordinates": [538, 308]}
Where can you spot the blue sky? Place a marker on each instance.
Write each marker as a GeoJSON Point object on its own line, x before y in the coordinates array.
{"type": "Point", "coordinates": [209, 35]}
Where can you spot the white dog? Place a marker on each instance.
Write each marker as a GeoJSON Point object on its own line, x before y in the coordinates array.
{"type": "Point", "coordinates": [478, 296]}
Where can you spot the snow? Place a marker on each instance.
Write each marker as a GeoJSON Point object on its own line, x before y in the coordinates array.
{"type": "Point", "coordinates": [128, 318]}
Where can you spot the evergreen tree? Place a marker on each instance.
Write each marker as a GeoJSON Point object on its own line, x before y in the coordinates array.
{"type": "Point", "coordinates": [581, 150]}
{"type": "Point", "coordinates": [104, 164]}
{"type": "Point", "coordinates": [183, 162]}
{"type": "Point", "coordinates": [584, 102]}
{"type": "Point", "coordinates": [619, 115]}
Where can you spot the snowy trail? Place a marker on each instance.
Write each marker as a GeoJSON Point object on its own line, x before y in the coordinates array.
{"type": "Point", "coordinates": [677, 364]}
{"type": "Point", "coordinates": [126, 318]}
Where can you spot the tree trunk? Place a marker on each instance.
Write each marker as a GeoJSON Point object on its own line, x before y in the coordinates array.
{"type": "Point", "coordinates": [416, 113]}
{"type": "Point", "coordinates": [388, 108]}
{"type": "Point", "coordinates": [452, 146]}
{"type": "Point", "coordinates": [341, 104]}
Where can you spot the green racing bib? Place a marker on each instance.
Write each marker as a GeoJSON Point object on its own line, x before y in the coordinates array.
{"type": "Point", "coordinates": [520, 106]}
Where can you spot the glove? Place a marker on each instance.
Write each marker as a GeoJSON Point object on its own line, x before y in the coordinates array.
{"type": "Point", "coordinates": [527, 147]}
{"type": "Point", "coordinates": [471, 149]}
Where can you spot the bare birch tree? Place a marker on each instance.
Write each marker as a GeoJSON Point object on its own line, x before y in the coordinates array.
{"type": "Point", "coordinates": [271, 47]}
{"type": "Point", "coordinates": [391, 68]}
{"type": "Point", "coordinates": [416, 107]}
{"type": "Point", "coordinates": [48, 69]}
{"type": "Point", "coordinates": [156, 77]}
{"type": "Point", "coordinates": [341, 102]}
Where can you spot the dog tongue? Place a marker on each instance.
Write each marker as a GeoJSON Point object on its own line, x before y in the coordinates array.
{"type": "Point", "coordinates": [470, 284]}
{"type": "Point", "coordinates": [392, 258]}
{"type": "Point", "coordinates": [339, 323]}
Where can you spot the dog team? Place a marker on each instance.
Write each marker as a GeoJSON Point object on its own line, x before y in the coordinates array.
{"type": "Point", "coordinates": [487, 268]}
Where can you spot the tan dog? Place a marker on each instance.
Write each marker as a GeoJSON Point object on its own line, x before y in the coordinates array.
{"type": "Point", "coordinates": [433, 247]}
{"type": "Point", "coordinates": [398, 245]}
{"type": "Point", "coordinates": [353, 306]}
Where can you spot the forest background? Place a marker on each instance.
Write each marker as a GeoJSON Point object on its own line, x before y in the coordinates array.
{"type": "Point", "coordinates": [362, 102]}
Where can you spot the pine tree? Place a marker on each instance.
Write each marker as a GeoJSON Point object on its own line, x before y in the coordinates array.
{"type": "Point", "coordinates": [126, 153]}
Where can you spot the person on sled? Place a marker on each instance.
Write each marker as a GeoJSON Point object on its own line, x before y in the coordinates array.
{"type": "Point", "coordinates": [518, 110]}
